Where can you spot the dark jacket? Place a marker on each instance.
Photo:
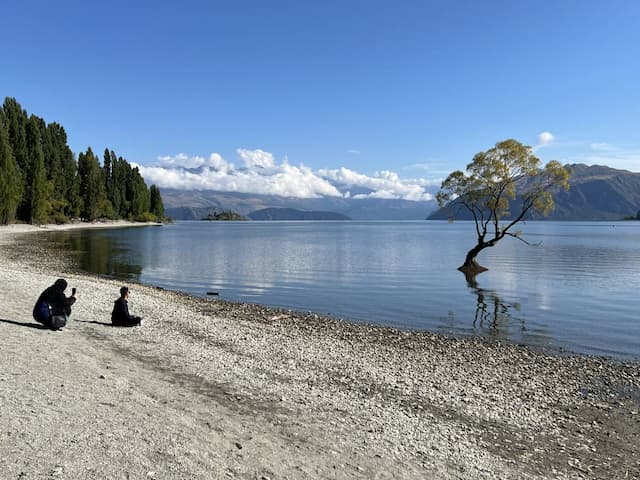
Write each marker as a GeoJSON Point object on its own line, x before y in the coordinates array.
{"type": "Point", "coordinates": [121, 315]}
{"type": "Point", "coordinates": [55, 298]}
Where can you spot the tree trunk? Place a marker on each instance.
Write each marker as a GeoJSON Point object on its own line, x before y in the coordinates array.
{"type": "Point", "coordinates": [470, 267]}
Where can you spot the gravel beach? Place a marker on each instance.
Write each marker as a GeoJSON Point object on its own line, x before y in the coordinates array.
{"type": "Point", "coordinates": [208, 389]}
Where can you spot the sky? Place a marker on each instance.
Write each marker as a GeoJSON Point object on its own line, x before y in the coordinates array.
{"type": "Point", "coordinates": [292, 97]}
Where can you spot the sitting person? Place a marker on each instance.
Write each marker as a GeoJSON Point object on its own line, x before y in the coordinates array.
{"type": "Point", "coordinates": [120, 316]}
{"type": "Point", "coordinates": [53, 307]}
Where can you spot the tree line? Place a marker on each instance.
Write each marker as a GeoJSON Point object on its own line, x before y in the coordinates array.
{"type": "Point", "coordinates": [42, 182]}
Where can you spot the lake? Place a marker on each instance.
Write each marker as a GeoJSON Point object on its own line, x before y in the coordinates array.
{"type": "Point", "coordinates": [578, 289]}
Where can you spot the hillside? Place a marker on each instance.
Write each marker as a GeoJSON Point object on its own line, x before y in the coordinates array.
{"type": "Point", "coordinates": [294, 214]}
{"type": "Point", "coordinates": [195, 204]}
{"type": "Point", "coordinates": [596, 193]}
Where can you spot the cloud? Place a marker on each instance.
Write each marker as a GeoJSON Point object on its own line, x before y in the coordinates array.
{"type": "Point", "coordinates": [263, 175]}
{"type": "Point", "coordinates": [215, 160]}
{"type": "Point", "coordinates": [620, 156]}
{"type": "Point", "coordinates": [545, 138]}
{"type": "Point", "coordinates": [385, 184]}
{"type": "Point", "coordinates": [603, 147]}
{"type": "Point", "coordinates": [354, 152]}
{"type": "Point", "coordinates": [256, 158]}
{"type": "Point", "coordinates": [436, 170]}
{"type": "Point", "coordinates": [615, 156]}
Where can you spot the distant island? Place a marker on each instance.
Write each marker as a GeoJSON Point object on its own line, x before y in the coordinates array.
{"type": "Point", "coordinates": [295, 214]}
{"type": "Point", "coordinates": [226, 216]}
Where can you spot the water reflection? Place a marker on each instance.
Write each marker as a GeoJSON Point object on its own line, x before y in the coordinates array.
{"type": "Point", "coordinates": [98, 254]}
{"type": "Point", "coordinates": [492, 312]}
{"type": "Point", "coordinates": [401, 274]}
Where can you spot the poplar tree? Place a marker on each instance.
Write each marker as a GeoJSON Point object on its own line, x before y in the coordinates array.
{"type": "Point", "coordinates": [157, 207]}
{"type": "Point", "coordinates": [16, 124]}
{"type": "Point", "coordinates": [138, 194]}
{"type": "Point", "coordinates": [10, 181]}
{"type": "Point", "coordinates": [41, 181]}
{"type": "Point", "coordinates": [92, 194]}
{"type": "Point", "coordinates": [39, 187]}
{"type": "Point", "coordinates": [61, 171]}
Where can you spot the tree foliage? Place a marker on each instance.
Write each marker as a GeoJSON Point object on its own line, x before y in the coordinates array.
{"type": "Point", "coordinates": [10, 181]}
{"type": "Point", "coordinates": [157, 206]}
{"type": "Point", "coordinates": [489, 187]}
{"type": "Point", "coordinates": [40, 180]}
{"type": "Point", "coordinates": [92, 192]}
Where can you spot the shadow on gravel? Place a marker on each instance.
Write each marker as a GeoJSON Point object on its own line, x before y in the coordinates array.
{"type": "Point", "coordinates": [95, 322]}
{"type": "Point", "coordinates": [37, 326]}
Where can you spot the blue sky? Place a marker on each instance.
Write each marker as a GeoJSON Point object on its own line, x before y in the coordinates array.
{"type": "Point", "coordinates": [373, 88]}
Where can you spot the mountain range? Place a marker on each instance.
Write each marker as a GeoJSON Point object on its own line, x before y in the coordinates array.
{"type": "Point", "coordinates": [294, 214]}
{"type": "Point", "coordinates": [596, 193]}
{"type": "Point", "coordinates": [195, 204]}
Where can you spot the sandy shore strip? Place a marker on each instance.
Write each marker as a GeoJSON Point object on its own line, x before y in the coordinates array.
{"type": "Point", "coordinates": [209, 389]}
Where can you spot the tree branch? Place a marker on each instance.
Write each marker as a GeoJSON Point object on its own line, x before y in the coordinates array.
{"type": "Point", "coordinates": [537, 244]}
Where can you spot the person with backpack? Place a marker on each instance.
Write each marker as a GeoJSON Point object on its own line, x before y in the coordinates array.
{"type": "Point", "coordinates": [53, 307]}
{"type": "Point", "coordinates": [120, 317]}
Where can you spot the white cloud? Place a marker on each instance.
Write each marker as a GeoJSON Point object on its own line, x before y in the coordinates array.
{"type": "Point", "coordinates": [603, 147]}
{"type": "Point", "coordinates": [624, 157]}
{"type": "Point", "coordinates": [215, 160]}
{"type": "Point", "coordinates": [384, 184]}
{"type": "Point", "coordinates": [262, 175]}
{"type": "Point", "coordinates": [545, 138]}
{"type": "Point", "coordinates": [256, 158]}
{"type": "Point", "coordinates": [354, 152]}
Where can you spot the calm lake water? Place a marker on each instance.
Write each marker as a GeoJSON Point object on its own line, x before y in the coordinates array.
{"type": "Point", "coordinates": [579, 289]}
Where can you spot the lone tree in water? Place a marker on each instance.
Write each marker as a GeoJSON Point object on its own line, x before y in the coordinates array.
{"type": "Point", "coordinates": [489, 185]}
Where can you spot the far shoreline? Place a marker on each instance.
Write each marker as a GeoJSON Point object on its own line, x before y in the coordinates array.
{"type": "Point", "coordinates": [17, 228]}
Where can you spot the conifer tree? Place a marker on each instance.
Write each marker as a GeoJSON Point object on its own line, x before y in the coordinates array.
{"type": "Point", "coordinates": [119, 177]}
{"type": "Point", "coordinates": [10, 181]}
{"type": "Point", "coordinates": [38, 186]}
{"type": "Point", "coordinates": [157, 207]}
{"type": "Point", "coordinates": [61, 169]}
{"type": "Point", "coordinates": [139, 194]}
{"type": "Point", "coordinates": [40, 179]}
{"type": "Point", "coordinates": [92, 192]}
{"type": "Point", "coordinates": [16, 124]}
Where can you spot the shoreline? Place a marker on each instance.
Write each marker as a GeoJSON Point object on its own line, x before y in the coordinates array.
{"type": "Point", "coordinates": [68, 267]}
{"type": "Point", "coordinates": [303, 396]}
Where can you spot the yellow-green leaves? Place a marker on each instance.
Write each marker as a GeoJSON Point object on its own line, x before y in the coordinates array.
{"type": "Point", "coordinates": [496, 176]}
{"type": "Point", "coordinates": [507, 175]}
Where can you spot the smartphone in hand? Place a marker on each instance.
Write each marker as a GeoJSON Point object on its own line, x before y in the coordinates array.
{"type": "Point", "coordinates": [73, 291]}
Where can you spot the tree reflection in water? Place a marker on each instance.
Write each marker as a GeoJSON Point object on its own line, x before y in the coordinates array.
{"type": "Point", "coordinates": [99, 253]}
{"type": "Point", "coordinates": [491, 311]}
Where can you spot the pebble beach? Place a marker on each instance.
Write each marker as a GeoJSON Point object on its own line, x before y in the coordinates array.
{"type": "Point", "coordinates": [210, 389]}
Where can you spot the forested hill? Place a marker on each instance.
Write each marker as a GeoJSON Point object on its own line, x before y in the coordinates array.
{"type": "Point", "coordinates": [42, 182]}
{"type": "Point", "coordinates": [294, 214]}
{"type": "Point", "coordinates": [595, 193]}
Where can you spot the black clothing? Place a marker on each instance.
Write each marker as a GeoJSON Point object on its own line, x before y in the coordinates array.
{"type": "Point", "coordinates": [51, 302]}
{"type": "Point", "coordinates": [120, 315]}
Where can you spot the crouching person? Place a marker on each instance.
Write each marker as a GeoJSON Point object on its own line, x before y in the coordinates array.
{"type": "Point", "coordinates": [53, 307]}
{"type": "Point", "coordinates": [120, 316]}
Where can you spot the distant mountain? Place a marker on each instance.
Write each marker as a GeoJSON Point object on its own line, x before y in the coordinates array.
{"type": "Point", "coordinates": [194, 205]}
{"type": "Point", "coordinates": [596, 193]}
{"type": "Point", "coordinates": [294, 214]}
